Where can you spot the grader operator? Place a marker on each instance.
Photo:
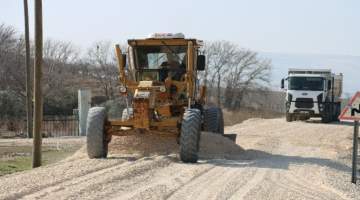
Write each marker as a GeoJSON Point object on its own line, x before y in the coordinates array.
{"type": "Point", "coordinates": [160, 84]}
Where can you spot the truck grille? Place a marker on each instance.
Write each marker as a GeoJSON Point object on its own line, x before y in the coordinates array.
{"type": "Point", "coordinates": [304, 103]}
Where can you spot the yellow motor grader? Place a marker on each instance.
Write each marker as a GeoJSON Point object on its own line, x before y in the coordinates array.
{"type": "Point", "coordinates": [160, 83]}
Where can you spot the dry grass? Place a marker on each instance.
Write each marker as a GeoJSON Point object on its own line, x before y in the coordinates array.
{"type": "Point", "coordinates": [15, 154]}
{"type": "Point", "coordinates": [235, 117]}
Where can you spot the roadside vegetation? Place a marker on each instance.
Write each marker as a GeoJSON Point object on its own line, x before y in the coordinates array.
{"type": "Point", "coordinates": [16, 155]}
{"type": "Point", "coordinates": [231, 73]}
{"type": "Point", "coordinates": [232, 118]}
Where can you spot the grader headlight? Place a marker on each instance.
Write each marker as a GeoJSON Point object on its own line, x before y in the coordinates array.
{"type": "Point", "coordinates": [123, 89]}
{"type": "Point", "coordinates": [162, 89]}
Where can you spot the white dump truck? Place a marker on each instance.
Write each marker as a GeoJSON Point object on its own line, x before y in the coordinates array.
{"type": "Point", "coordinates": [313, 93]}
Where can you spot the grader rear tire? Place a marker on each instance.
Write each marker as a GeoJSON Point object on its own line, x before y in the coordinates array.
{"type": "Point", "coordinates": [214, 120]}
{"type": "Point", "coordinates": [97, 145]}
{"type": "Point", "coordinates": [190, 136]}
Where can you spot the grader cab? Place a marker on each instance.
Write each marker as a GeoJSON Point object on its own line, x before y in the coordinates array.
{"type": "Point", "coordinates": [160, 84]}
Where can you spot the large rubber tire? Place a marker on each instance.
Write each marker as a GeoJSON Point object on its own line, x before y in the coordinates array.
{"type": "Point", "coordinates": [304, 118]}
{"type": "Point", "coordinates": [337, 112]}
{"type": "Point", "coordinates": [190, 136]}
{"type": "Point", "coordinates": [326, 116]}
{"type": "Point", "coordinates": [289, 117]}
{"type": "Point", "coordinates": [125, 115]}
{"type": "Point", "coordinates": [214, 120]}
{"type": "Point", "coordinates": [97, 145]}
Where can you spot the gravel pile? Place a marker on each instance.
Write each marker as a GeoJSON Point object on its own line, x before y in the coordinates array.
{"type": "Point", "coordinates": [215, 146]}
{"type": "Point", "coordinates": [212, 146]}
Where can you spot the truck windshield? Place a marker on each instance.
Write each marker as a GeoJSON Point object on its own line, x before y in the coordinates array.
{"type": "Point", "coordinates": [306, 83]}
{"type": "Point", "coordinates": [156, 57]}
{"type": "Point", "coordinates": [157, 62]}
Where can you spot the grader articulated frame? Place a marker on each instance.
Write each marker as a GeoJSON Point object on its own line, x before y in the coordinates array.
{"type": "Point", "coordinates": [161, 87]}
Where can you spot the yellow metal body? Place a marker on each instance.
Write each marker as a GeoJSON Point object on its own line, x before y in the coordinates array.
{"type": "Point", "coordinates": [156, 107]}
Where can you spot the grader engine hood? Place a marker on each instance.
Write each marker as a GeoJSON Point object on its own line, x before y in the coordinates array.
{"type": "Point", "coordinates": [144, 100]}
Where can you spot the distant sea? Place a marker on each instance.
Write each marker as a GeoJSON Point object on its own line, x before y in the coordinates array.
{"type": "Point", "coordinates": [348, 65]}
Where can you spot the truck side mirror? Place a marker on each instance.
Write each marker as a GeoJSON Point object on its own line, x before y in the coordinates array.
{"type": "Point", "coordinates": [282, 83]}
{"type": "Point", "coordinates": [200, 65]}
{"type": "Point", "coordinates": [329, 85]}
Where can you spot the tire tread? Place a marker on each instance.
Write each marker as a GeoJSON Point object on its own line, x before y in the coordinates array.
{"type": "Point", "coordinates": [95, 135]}
{"type": "Point", "coordinates": [190, 136]}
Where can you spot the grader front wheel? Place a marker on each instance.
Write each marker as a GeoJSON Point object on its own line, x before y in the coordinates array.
{"type": "Point", "coordinates": [96, 142]}
{"type": "Point", "coordinates": [190, 136]}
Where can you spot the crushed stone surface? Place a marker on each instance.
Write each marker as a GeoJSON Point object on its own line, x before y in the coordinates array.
{"type": "Point", "coordinates": [271, 159]}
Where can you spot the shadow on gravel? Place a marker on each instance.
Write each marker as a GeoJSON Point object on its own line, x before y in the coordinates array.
{"type": "Point", "coordinates": [318, 121]}
{"type": "Point", "coordinates": [231, 136]}
{"type": "Point", "coordinates": [261, 159]}
{"type": "Point", "coordinates": [127, 158]}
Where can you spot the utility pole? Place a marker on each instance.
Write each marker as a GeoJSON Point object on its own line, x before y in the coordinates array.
{"type": "Point", "coordinates": [37, 85]}
{"type": "Point", "coordinates": [28, 71]}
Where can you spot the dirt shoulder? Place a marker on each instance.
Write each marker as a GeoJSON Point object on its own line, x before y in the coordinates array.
{"type": "Point", "coordinates": [271, 159]}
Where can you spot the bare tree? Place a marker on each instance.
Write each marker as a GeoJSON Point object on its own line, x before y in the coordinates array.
{"type": "Point", "coordinates": [8, 43]}
{"type": "Point", "coordinates": [7, 39]}
{"type": "Point", "coordinates": [219, 56]}
{"type": "Point", "coordinates": [235, 69]}
{"type": "Point", "coordinates": [247, 72]}
{"type": "Point", "coordinates": [12, 70]}
{"type": "Point", "coordinates": [102, 66]}
{"type": "Point", "coordinates": [60, 81]}
{"type": "Point", "coordinates": [58, 56]}
{"type": "Point", "coordinates": [12, 74]}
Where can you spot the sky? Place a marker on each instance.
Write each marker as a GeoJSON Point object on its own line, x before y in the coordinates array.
{"type": "Point", "coordinates": [319, 27]}
{"type": "Point", "coordinates": [290, 26]}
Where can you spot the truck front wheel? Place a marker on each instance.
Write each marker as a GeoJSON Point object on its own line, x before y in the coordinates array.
{"type": "Point", "coordinates": [337, 111]}
{"type": "Point", "coordinates": [327, 115]}
{"type": "Point", "coordinates": [289, 117]}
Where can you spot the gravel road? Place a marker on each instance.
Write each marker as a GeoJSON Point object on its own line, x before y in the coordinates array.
{"type": "Point", "coordinates": [271, 159]}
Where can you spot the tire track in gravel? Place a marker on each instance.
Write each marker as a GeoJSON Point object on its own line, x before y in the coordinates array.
{"type": "Point", "coordinates": [280, 161]}
{"type": "Point", "coordinates": [288, 183]}
{"type": "Point", "coordinates": [87, 184]}
{"type": "Point", "coordinates": [219, 183]}
{"type": "Point", "coordinates": [193, 189]}
{"type": "Point", "coordinates": [305, 184]}
{"type": "Point", "coordinates": [177, 175]}
{"type": "Point", "coordinates": [301, 189]}
{"type": "Point", "coordinates": [252, 183]}
{"type": "Point", "coordinates": [47, 180]}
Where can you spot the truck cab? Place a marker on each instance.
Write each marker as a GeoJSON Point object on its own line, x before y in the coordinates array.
{"type": "Point", "coordinates": [312, 93]}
